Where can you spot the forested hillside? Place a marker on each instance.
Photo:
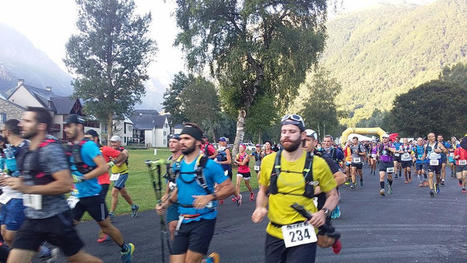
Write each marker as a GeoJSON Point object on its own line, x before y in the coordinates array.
{"type": "Point", "coordinates": [378, 53]}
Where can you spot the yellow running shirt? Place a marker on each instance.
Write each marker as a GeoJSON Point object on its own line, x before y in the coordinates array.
{"type": "Point", "coordinates": [292, 182]}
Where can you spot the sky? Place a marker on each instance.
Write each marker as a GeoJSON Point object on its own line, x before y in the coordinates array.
{"type": "Point", "coordinates": [50, 23]}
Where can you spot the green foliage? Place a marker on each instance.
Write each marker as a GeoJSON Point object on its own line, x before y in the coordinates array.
{"type": "Point", "coordinates": [319, 111]}
{"type": "Point", "coordinates": [377, 119]}
{"type": "Point", "coordinates": [109, 56]}
{"type": "Point", "coordinates": [435, 106]}
{"type": "Point", "coordinates": [172, 103]}
{"type": "Point", "coordinates": [261, 118]}
{"type": "Point", "coordinates": [456, 73]}
{"type": "Point", "coordinates": [380, 53]}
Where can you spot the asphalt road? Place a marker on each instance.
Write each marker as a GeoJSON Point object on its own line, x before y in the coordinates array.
{"type": "Point", "coordinates": [407, 226]}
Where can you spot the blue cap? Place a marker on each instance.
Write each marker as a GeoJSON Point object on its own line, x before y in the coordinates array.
{"type": "Point", "coordinates": [222, 139]}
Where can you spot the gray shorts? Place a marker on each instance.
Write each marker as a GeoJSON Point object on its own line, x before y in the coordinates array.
{"type": "Point", "coordinates": [120, 183]}
{"type": "Point", "coordinates": [461, 168]}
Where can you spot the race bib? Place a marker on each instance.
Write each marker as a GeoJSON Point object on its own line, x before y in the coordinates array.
{"type": "Point", "coordinates": [226, 172]}
{"type": "Point", "coordinates": [462, 162]}
{"type": "Point", "coordinates": [114, 177]}
{"type": "Point", "coordinates": [72, 201]}
{"type": "Point", "coordinates": [434, 162]}
{"type": "Point", "coordinates": [390, 169]}
{"type": "Point", "coordinates": [33, 201]}
{"type": "Point", "coordinates": [451, 154]}
{"type": "Point", "coordinates": [4, 198]}
{"type": "Point", "coordinates": [397, 154]}
{"type": "Point", "coordinates": [256, 167]}
{"type": "Point", "coordinates": [356, 160]}
{"type": "Point", "coordinates": [373, 155]}
{"type": "Point", "coordinates": [298, 234]}
{"type": "Point", "coordinates": [406, 157]}
{"type": "Point", "coordinates": [434, 155]}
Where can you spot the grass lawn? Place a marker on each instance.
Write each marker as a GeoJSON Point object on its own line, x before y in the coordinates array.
{"type": "Point", "coordinates": [139, 185]}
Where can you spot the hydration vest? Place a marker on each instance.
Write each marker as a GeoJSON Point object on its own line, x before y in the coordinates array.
{"type": "Point", "coordinates": [36, 173]}
{"type": "Point", "coordinates": [381, 149]}
{"type": "Point", "coordinates": [74, 151]}
{"type": "Point", "coordinates": [307, 174]}
{"type": "Point", "coordinates": [199, 166]}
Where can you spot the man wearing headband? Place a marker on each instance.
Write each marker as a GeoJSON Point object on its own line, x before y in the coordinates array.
{"type": "Point", "coordinates": [196, 176]}
{"type": "Point", "coordinates": [283, 176]}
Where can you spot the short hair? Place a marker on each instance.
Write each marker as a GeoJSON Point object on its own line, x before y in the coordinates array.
{"type": "Point", "coordinates": [329, 136]}
{"type": "Point", "coordinates": [12, 125]}
{"type": "Point", "coordinates": [42, 116]}
{"type": "Point", "coordinates": [355, 137]}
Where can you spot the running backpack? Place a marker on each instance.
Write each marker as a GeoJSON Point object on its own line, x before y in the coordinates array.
{"type": "Point", "coordinates": [307, 174]}
{"type": "Point", "coordinates": [37, 175]}
{"type": "Point", "coordinates": [74, 150]}
{"type": "Point", "coordinates": [199, 166]}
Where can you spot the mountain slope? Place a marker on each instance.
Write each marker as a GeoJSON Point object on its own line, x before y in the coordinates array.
{"type": "Point", "coordinates": [379, 53]}
{"type": "Point", "coordinates": [19, 59]}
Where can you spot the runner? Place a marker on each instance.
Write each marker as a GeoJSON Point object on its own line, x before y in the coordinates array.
{"type": "Point", "coordinates": [406, 158]}
{"type": "Point", "coordinates": [420, 163]}
{"type": "Point", "coordinates": [45, 179]}
{"type": "Point", "coordinates": [348, 161]}
{"type": "Point", "coordinates": [385, 154]}
{"type": "Point", "coordinates": [331, 155]}
{"type": "Point", "coordinates": [460, 154]}
{"type": "Point", "coordinates": [282, 175]}
{"type": "Point", "coordinates": [443, 157]}
{"type": "Point", "coordinates": [172, 209]}
{"type": "Point", "coordinates": [358, 152]}
{"type": "Point", "coordinates": [267, 148]}
{"type": "Point", "coordinates": [452, 161]}
{"type": "Point", "coordinates": [86, 164]}
{"type": "Point", "coordinates": [242, 160]}
{"type": "Point", "coordinates": [258, 155]}
{"type": "Point", "coordinates": [208, 149]}
{"type": "Point", "coordinates": [224, 158]}
{"type": "Point", "coordinates": [197, 201]}
{"type": "Point", "coordinates": [432, 153]}
{"type": "Point", "coordinates": [397, 157]}
{"type": "Point", "coordinates": [373, 154]}
{"type": "Point", "coordinates": [119, 175]}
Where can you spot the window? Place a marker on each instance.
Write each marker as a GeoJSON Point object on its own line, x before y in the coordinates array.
{"type": "Point", "coordinates": [124, 127]}
{"type": "Point", "coordinates": [165, 133]}
{"type": "Point", "coordinates": [164, 142]}
{"type": "Point", "coordinates": [2, 117]}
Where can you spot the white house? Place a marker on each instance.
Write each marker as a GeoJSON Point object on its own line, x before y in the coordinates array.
{"type": "Point", "coordinates": [150, 128]}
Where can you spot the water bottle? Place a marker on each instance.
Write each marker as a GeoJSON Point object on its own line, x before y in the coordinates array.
{"type": "Point", "coordinates": [10, 160]}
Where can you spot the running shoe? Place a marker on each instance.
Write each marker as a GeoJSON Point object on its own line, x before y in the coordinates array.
{"type": "Point", "coordinates": [406, 182]}
{"type": "Point", "coordinates": [48, 255]}
{"type": "Point", "coordinates": [389, 189]}
{"type": "Point", "coordinates": [432, 194]}
{"type": "Point", "coordinates": [437, 188]}
{"type": "Point", "coordinates": [381, 192]}
{"type": "Point", "coordinates": [134, 210]}
{"type": "Point", "coordinates": [213, 258]}
{"type": "Point", "coordinates": [352, 186]}
{"type": "Point", "coordinates": [104, 238]}
{"type": "Point", "coordinates": [239, 200]}
{"type": "Point", "coordinates": [252, 196]}
{"type": "Point", "coordinates": [221, 202]}
{"type": "Point", "coordinates": [128, 254]}
{"type": "Point", "coordinates": [463, 190]}
{"type": "Point", "coordinates": [442, 182]}
{"type": "Point", "coordinates": [234, 199]}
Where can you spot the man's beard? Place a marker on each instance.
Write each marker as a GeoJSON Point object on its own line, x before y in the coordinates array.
{"type": "Point", "coordinates": [294, 145]}
{"type": "Point", "coordinates": [189, 149]}
{"type": "Point", "coordinates": [29, 135]}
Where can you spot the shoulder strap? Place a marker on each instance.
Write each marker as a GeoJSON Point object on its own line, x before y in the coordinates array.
{"type": "Point", "coordinates": [308, 175]}
{"type": "Point", "coordinates": [200, 165]}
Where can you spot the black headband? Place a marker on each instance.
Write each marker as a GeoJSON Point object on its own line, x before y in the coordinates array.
{"type": "Point", "coordinates": [193, 132]}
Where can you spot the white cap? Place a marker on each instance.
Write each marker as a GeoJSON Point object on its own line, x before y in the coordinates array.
{"type": "Point", "coordinates": [115, 138]}
{"type": "Point", "coordinates": [385, 135]}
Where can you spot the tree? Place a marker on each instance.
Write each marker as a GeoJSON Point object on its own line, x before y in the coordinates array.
{"type": "Point", "coordinates": [435, 106]}
{"type": "Point", "coordinates": [253, 48]}
{"type": "Point", "coordinates": [109, 57]}
{"type": "Point", "coordinates": [200, 104]}
{"type": "Point", "coordinates": [262, 118]}
{"type": "Point", "coordinates": [172, 102]}
{"type": "Point", "coordinates": [320, 110]}
{"type": "Point", "coordinates": [456, 73]}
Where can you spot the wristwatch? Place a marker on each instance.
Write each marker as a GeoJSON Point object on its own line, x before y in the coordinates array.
{"type": "Point", "coordinates": [326, 211]}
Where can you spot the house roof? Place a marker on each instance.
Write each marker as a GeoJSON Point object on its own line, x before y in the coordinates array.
{"type": "Point", "coordinates": [12, 103]}
{"type": "Point", "coordinates": [63, 105]}
{"type": "Point", "coordinates": [147, 119]}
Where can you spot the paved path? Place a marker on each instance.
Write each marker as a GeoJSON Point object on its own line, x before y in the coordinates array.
{"type": "Point", "coordinates": [407, 226]}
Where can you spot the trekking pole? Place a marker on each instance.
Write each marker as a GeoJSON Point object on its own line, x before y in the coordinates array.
{"type": "Point", "coordinates": [157, 186]}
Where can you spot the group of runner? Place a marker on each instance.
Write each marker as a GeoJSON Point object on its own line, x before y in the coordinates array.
{"type": "Point", "coordinates": [298, 186]}
{"type": "Point", "coordinates": [38, 175]}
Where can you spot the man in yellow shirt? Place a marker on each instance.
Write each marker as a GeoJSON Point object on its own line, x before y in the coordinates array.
{"type": "Point", "coordinates": [289, 170]}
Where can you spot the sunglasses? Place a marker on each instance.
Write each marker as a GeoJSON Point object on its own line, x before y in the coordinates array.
{"type": "Point", "coordinates": [311, 133]}
{"type": "Point", "coordinates": [293, 117]}
{"type": "Point", "coordinates": [174, 136]}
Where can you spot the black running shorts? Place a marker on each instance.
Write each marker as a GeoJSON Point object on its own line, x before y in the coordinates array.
{"type": "Point", "coordinates": [384, 166]}
{"type": "Point", "coordinates": [276, 252]}
{"type": "Point", "coordinates": [434, 169]}
{"type": "Point", "coordinates": [195, 236]}
{"type": "Point", "coordinates": [357, 165]}
{"type": "Point", "coordinates": [94, 205]}
{"type": "Point", "coordinates": [58, 230]}
{"type": "Point", "coordinates": [406, 164]}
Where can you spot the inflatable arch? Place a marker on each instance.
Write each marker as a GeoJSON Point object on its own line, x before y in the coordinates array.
{"type": "Point", "coordinates": [348, 131]}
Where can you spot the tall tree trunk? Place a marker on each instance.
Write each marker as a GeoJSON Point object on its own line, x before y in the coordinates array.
{"type": "Point", "coordinates": [259, 137]}
{"type": "Point", "coordinates": [240, 131]}
{"type": "Point", "coordinates": [109, 127]}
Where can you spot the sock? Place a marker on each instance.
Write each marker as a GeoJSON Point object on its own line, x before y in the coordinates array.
{"type": "Point", "coordinates": [460, 181]}
{"type": "Point", "coordinates": [124, 247]}
{"type": "Point", "coordinates": [381, 184]}
{"type": "Point", "coordinates": [390, 182]}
